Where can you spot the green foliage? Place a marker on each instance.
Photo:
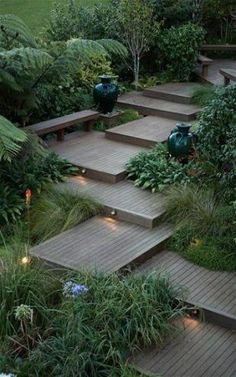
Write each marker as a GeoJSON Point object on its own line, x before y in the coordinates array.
{"type": "Point", "coordinates": [115, 317]}
{"type": "Point", "coordinates": [21, 284]}
{"type": "Point", "coordinates": [32, 168]}
{"type": "Point", "coordinates": [12, 27]}
{"type": "Point", "coordinates": [137, 29]}
{"type": "Point", "coordinates": [58, 210]}
{"type": "Point", "coordinates": [203, 95]}
{"type": "Point", "coordinates": [204, 226]}
{"type": "Point", "coordinates": [217, 136]}
{"type": "Point", "coordinates": [208, 254]}
{"type": "Point", "coordinates": [179, 48]}
{"type": "Point", "coordinates": [156, 169]}
{"type": "Point", "coordinates": [10, 139]}
{"type": "Point", "coordinates": [173, 12]}
{"type": "Point", "coordinates": [126, 116]}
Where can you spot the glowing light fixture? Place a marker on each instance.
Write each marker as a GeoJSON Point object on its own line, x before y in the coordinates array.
{"type": "Point", "coordinates": [25, 260]}
{"type": "Point", "coordinates": [113, 212]}
{"type": "Point", "coordinates": [84, 171]}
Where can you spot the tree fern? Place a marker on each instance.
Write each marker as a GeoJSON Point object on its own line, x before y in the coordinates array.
{"type": "Point", "coordinates": [113, 47]}
{"type": "Point", "coordinates": [10, 139]}
{"type": "Point", "coordinates": [30, 59]}
{"type": "Point", "coordinates": [14, 27]}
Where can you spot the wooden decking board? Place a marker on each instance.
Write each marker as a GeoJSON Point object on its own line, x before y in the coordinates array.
{"type": "Point", "coordinates": [101, 243]}
{"type": "Point", "coordinates": [214, 77]}
{"type": "Point", "coordinates": [103, 159]}
{"type": "Point", "coordinates": [200, 350]}
{"type": "Point", "coordinates": [214, 289]}
{"type": "Point", "coordinates": [131, 204]}
{"type": "Point", "coordinates": [176, 92]}
{"type": "Point", "coordinates": [145, 132]}
{"type": "Point", "coordinates": [158, 107]}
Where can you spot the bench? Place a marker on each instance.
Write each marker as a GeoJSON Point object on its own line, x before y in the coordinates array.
{"type": "Point", "coordinates": [229, 74]}
{"type": "Point", "coordinates": [205, 62]}
{"type": "Point", "coordinates": [58, 125]}
{"type": "Point", "coordinates": [224, 47]}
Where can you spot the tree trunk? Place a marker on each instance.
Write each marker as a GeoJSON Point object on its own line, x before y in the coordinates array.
{"type": "Point", "coordinates": [136, 70]}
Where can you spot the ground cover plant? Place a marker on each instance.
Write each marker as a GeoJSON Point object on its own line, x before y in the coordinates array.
{"type": "Point", "coordinates": [79, 324]}
{"type": "Point", "coordinates": [204, 226]}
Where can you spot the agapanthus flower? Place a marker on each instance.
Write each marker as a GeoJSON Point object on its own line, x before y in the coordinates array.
{"type": "Point", "coordinates": [72, 289]}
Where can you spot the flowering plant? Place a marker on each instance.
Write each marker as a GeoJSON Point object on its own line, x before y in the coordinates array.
{"type": "Point", "coordinates": [72, 289]}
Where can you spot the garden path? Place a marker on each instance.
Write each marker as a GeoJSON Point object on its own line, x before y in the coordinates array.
{"type": "Point", "coordinates": [130, 233]}
{"type": "Point", "coordinates": [214, 77]}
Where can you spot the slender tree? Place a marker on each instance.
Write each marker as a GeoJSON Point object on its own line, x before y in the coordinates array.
{"type": "Point", "coordinates": [138, 30]}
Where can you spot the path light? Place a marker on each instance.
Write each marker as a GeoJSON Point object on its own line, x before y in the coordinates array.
{"type": "Point", "coordinates": [113, 212]}
{"type": "Point", "coordinates": [83, 171]}
{"type": "Point", "coordinates": [25, 260]}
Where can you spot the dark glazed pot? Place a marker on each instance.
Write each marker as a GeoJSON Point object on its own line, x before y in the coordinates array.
{"type": "Point", "coordinates": [180, 141]}
{"type": "Point", "coordinates": [105, 94]}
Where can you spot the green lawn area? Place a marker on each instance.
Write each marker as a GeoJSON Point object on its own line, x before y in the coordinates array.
{"type": "Point", "coordinates": [35, 12]}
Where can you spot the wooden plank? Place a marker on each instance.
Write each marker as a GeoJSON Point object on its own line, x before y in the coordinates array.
{"type": "Point", "coordinates": [214, 289]}
{"type": "Point", "coordinates": [174, 92]}
{"type": "Point", "coordinates": [199, 350]}
{"type": "Point", "coordinates": [145, 132]}
{"type": "Point", "coordinates": [129, 202]}
{"type": "Point", "coordinates": [100, 158]}
{"type": "Point", "coordinates": [101, 243]}
{"type": "Point", "coordinates": [219, 47]}
{"type": "Point", "coordinates": [228, 74]}
{"type": "Point", "coordinates": [56, 124]}
{"type": "Point", "coordinates": [157, 107]}
{"type": "Point", "coordinates": [214, 77]}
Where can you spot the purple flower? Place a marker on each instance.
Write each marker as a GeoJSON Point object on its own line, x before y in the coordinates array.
{"type": "Point", "coordinates": [72, 289]}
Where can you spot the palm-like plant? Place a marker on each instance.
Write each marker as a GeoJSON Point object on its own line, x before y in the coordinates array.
{"type": "Point", "coordinates": [23, 64]}
{"type": "Point", "coordinates": [10, 139]}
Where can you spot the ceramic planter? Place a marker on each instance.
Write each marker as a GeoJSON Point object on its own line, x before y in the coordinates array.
{"type": "Point", "coordinates": [106, 94]}
{"type": "Point", "coordinates": [180, 141]}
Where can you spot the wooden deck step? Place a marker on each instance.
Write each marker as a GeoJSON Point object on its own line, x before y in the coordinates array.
{"type": "Point", "coordinates": [213, 291]}
{"type": "Point", "coordinates": [198, 350]}
{"type": "Point", "coordinates": [102, 244]}
{"type": "Point", "coordinates": [175, 92]}
{"type": "Point", "coordinates": [158, 107]}
{"type": "Point", "coordinates": [129, 202]}
{"type": "Point", "coordinates": [145, 132]}
{"type": "Point", "coordinates": [214, 77]}
{"type": "Point", "coordinates": [98, 157]}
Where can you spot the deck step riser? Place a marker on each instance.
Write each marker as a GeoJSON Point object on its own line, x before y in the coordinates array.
{"type": "Point", "coordinates": [167, 97]}
{"type": "Point", "coordinates": [156, 112]}
{"type": "Point", "coordinates": [130, 217]}
{"type": "Point", "coordinates": [214, 316]}
{"type": "Point", "coordinates": [130, 140]}
{"type": "Point", "coordinates": [102, 176]}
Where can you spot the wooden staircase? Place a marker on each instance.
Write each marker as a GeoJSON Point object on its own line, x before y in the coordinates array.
{"type": "Point", "coordinates": [130, 233]}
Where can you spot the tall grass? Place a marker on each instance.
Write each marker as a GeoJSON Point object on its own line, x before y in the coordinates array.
{"type": "Point", "coordinates": [58, 210]}
{"type": "Point", "coordinates": [97, 330]}
{"type": "Point", "coordinates": [203, 95]}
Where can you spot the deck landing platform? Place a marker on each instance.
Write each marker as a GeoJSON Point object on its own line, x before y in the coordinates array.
{"type": "Point", "coordinates": [199, 350]}
{"type": "Point", "coordinates": [102, 244]}
{"type": "Point", "coordinates": [102, 159]}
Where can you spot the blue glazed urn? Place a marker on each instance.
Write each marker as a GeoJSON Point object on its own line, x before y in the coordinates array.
{"type": "Point", "coordinates": [180, 141]}
{"type": "Point", "coordinates": [105, 94]}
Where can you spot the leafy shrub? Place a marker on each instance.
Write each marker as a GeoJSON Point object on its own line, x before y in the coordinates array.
{"type": "Point", "coordinates": [179, 48]}
{"type": "Point", "coordinates": [32, 168]}
{"type": "Point", "coordinates": [217, 134]}
{"type": "Point", "coordinates": [156, 169]}
{"type": "Point", "coordinates": [58, 210]}
{"type": "Point", "coordinates": [127, 116]}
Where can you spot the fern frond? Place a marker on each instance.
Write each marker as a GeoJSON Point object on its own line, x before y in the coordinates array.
{"type": "Point", "coordinates": [10, 137]}
{"type": "Point", "coordinates": [14, 26]}
{"type": "Point", "coordinates": [113, 47]}
{"type": "Point", "coordinates": [30, 58]}
{"type": "Point", "coordinates": [8, 80]}
{"type": "Point", "coordinates": [85, 48]}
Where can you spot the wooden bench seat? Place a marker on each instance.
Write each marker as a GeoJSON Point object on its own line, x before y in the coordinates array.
{"type": "Point", "coordinates": [229, 74]}
{"type": "Point", "coordinates": [58, 125]}
{"type": "Point", "coordinates": [222, 47]}
{"type": "Point", "coordinates": [205, 62]}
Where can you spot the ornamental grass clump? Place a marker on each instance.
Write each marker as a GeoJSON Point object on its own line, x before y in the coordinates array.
{"type": "Point", "coordinates": [58, 210]}
{"type": "Point", "coordinates": [109, 318]}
